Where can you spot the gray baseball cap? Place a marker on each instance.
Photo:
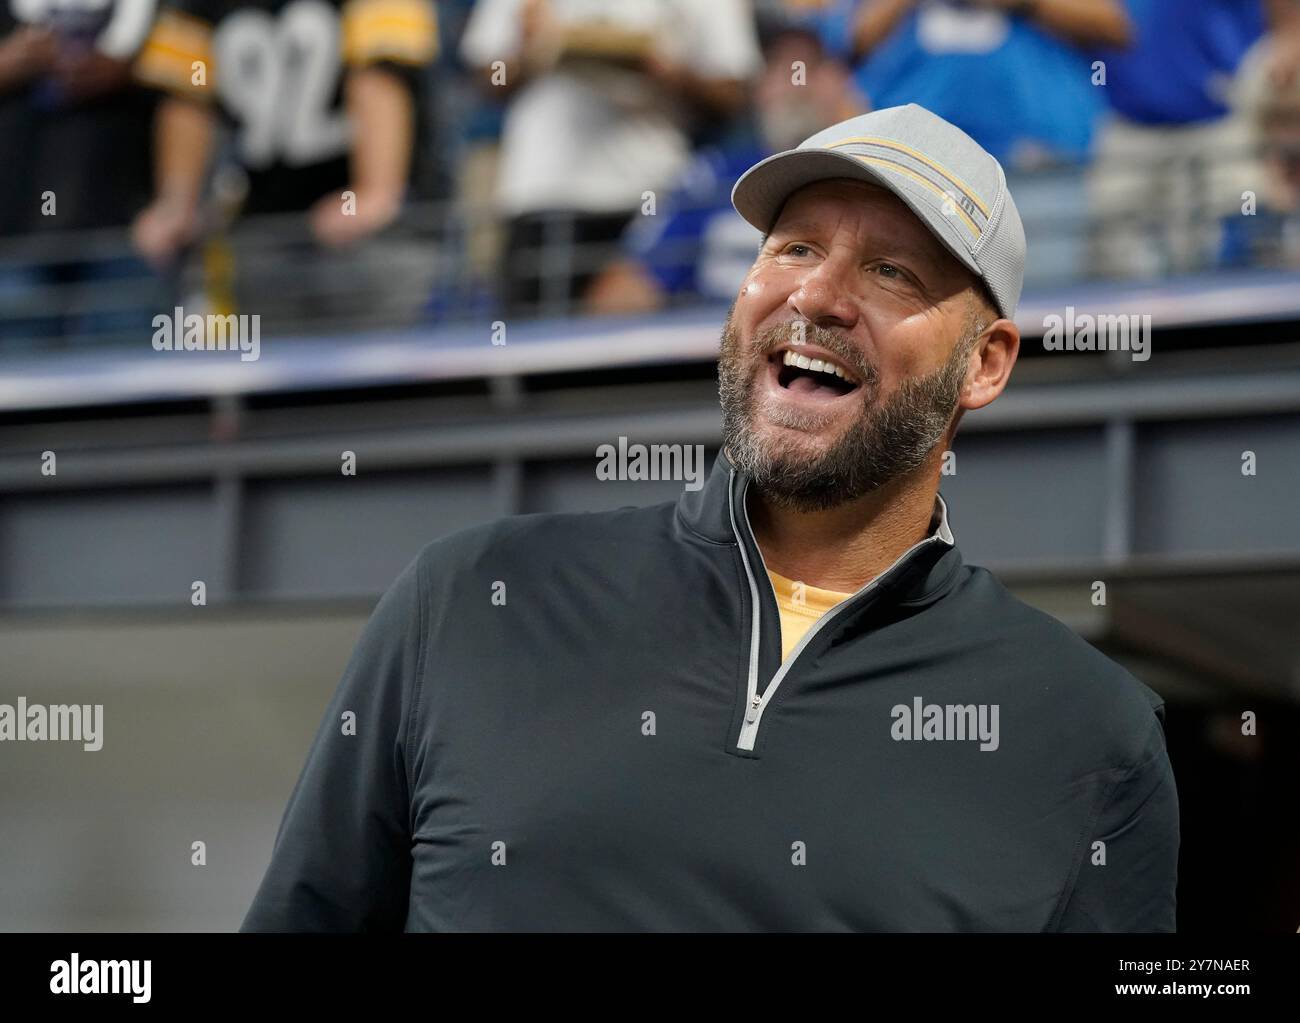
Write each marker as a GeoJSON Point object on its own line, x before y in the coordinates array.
{"type": "Point", "coordinates": [946, 178]}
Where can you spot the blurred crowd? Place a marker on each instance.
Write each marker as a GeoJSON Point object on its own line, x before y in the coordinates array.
{"type": "Point", "coordinates": [395, 162]}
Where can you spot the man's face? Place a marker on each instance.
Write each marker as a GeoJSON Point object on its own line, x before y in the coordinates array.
{"type": "Point", "coordinates": [882, 300]}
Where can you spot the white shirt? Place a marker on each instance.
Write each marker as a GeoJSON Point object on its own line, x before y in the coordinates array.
{"type": "Point", "coordinates": [594, 137]}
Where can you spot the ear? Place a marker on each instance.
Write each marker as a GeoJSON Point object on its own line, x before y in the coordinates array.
{"type": "Point", "coordinates": [996, 351]}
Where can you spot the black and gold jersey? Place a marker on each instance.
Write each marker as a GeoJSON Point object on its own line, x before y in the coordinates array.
{"type": "Point", "coordinates": [275, 70]}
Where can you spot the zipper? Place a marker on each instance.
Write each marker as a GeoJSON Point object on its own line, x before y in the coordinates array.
{"type": "Point", "coordinates": [754, 703]}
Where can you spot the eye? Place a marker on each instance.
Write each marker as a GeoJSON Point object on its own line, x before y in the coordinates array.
{"type": "Point", "coordinates": [889, 270]}
{"type": "Point", "coordinates": [797, 249]}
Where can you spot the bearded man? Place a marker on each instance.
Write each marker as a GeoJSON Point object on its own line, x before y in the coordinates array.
{"type": "Point", "coordinates": [782, 702]}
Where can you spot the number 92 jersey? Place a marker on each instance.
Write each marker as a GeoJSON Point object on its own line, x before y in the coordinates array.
{"type": "Point", "coordinates": [275, 70]}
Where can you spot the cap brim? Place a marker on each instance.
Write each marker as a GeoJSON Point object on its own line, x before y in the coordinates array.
{"type": "Point", "coordinates": [762, 190]}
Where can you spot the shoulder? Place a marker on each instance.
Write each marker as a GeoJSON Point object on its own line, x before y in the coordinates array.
{"type": "Point", "coordinates": [1068, 680]}
{"type": "Point", "coordinates": [545, 537]}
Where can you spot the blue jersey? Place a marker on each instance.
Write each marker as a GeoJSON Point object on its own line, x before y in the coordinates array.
{"type": "Point", "coordinates": [698, 244]}
{"type": "Point", "coordinates": [1009, 85]}
{"type": "Point", "coordinates": [1182, 58]}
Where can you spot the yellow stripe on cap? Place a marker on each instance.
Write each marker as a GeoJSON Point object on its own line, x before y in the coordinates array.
{"type": "Point", "coordinates": [900, 169]}
{"type": "Point", "coordinates": [891, 144]}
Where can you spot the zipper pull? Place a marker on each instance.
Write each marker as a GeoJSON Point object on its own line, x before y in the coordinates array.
{"type": "Point", "coordinates": [751, 715]}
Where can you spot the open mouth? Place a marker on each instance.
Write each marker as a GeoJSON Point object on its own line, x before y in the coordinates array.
{"type": "Point", "coordinates": [816, 378]}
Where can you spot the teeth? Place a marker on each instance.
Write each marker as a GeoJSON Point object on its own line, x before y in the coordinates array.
{"type": "Point", "coordinates": [792, 358]}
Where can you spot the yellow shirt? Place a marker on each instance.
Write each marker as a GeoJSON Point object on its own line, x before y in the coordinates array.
{"type": "Point", "coordinates": [800, 605]}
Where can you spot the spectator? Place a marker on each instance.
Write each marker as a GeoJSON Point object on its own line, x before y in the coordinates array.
{"type": "Point", "coordinates": [603, 99]}
{"type": "Point", "coordinates": [696, 245]}
{"type": "Point", "coordinates": [321, 97]}
{"type": "Point", "coordinates": [74, 156]}
{"type": "Point", "coordinates": [1172, 159]}
{"type": "Point", "coordinates": [1267, 94]}
{"type": "Point", "coordinates": [1015, 76]}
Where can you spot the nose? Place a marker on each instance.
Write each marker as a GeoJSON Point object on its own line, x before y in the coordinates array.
{"type": "Point", "coordinates": [824, 296]}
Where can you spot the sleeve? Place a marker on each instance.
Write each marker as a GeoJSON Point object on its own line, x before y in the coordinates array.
{"type": "Point", "coordinates": [492, 33]}
{"type": "Point", "coordinates": [834, 26]}
{"type": "Point", "coordinates": [181, 37]}
{"type": "Point", "coordinates": [667, 246]}
{"type": "Point", "coordinates": [402, 33]}
{"type": "Point", "coordinates": [342, 856]}
{"type": "Point", "coordinates": [725, 43]}
{"type": "Point", "coordinates": [127, 28]}
{"type": "Point", "coordinates": [1134, 889]}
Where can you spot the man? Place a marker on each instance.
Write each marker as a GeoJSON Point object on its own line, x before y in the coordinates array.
{"type": "Point", "coordinates": [1174, 160]}
{"type": "Point", "coordinates": [320, 94]}
{"type": "Point", "coordinates": [603, 101]}
{"type": "Point", "coordinates": [1015, 74]}
{"type": "Point", "coordinates": [322, 100]}
{"type": "Point", "coordinates": [74, 158]}
{"type": "Point", "coordinates": [695, 245]}
{"type": "Point", "coordinates": [608, 722]}
{"type": "Point", "coordinates": [71, 120]}
{"type": "Point", "coordinates": [1267, 98]}
{"type": "Point", "coordinates": [1019, 77]}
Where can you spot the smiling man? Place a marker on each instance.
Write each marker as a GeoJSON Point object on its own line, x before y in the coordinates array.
{"type": "Point", "coordinates": [783, 702]}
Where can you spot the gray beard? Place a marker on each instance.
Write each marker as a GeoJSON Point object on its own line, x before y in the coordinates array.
{"type": "Point", "coordinates": [887, 440]}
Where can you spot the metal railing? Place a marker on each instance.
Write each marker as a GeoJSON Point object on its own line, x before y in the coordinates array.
{"type": "Point", "coordinates": [445, 262]}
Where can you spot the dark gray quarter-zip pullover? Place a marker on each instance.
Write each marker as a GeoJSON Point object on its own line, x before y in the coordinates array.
{"type": "Point", "coordinates": [582, 722]}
